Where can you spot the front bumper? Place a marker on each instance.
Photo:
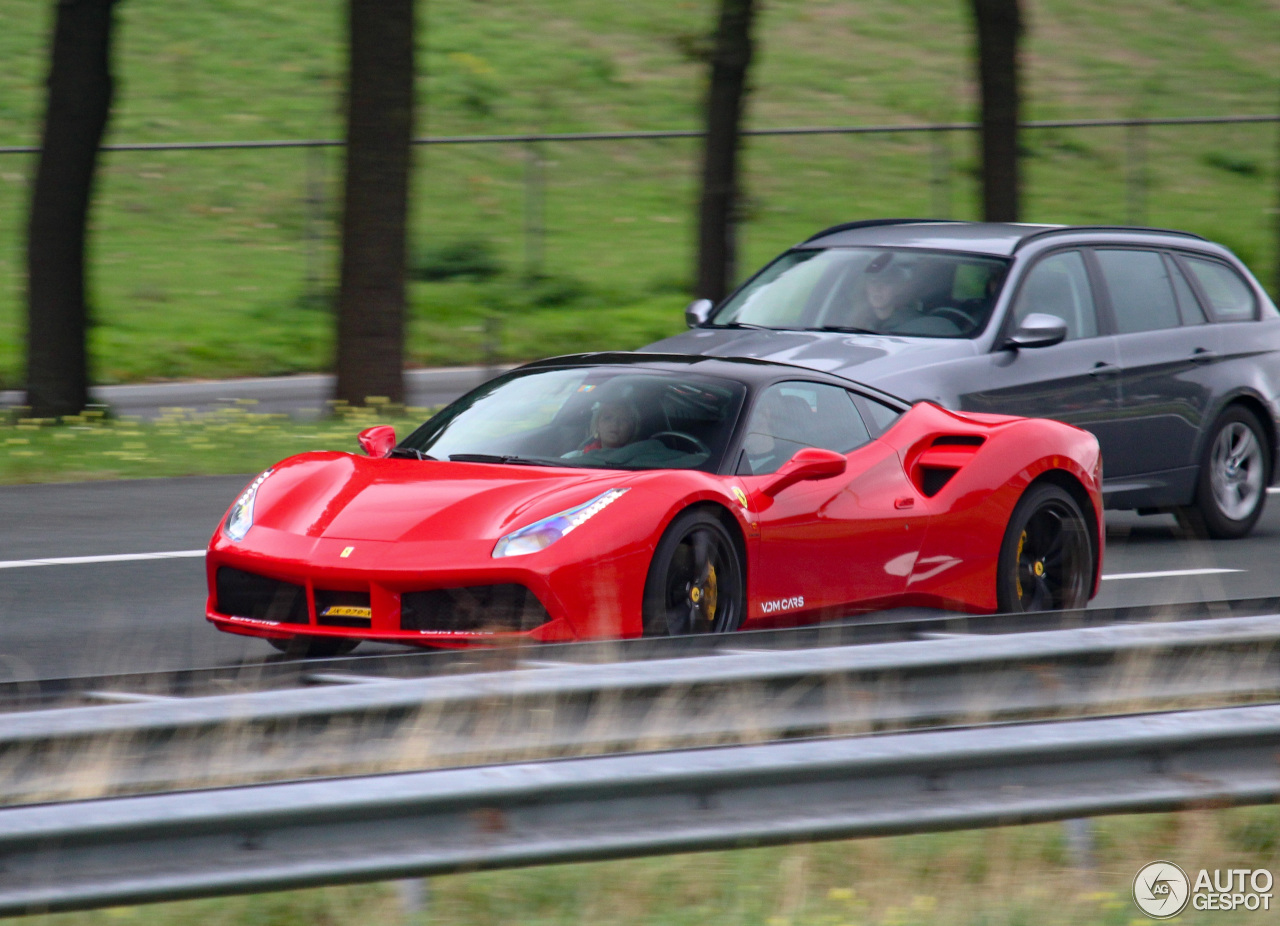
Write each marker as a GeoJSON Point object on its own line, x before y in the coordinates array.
{"type": "Point", "coordinates": [424, 593]}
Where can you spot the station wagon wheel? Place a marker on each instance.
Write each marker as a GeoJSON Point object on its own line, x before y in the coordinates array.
{"type": "Point", "coordinates": [695, 582]}
{"type": "Point", "coordinates": [304, 647]}
{"type": "Point", "coordinates": [1046, 558]}
{"type": "Point", "coordinates": [1231, 488]}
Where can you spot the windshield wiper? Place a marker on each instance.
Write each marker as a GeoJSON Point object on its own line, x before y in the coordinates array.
{"type": "Point", "coordinates": [498, 458]}
{"type": "Point", "coordinates": [741, 325]}
{"type": "Point", "coordinates": [411, 452]}
{"type": "Point", "coordinates": [844, 329]}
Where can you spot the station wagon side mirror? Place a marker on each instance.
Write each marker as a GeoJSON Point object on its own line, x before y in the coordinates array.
{"type": "Point", "coordinates": [1037, 330]}
{"type": "Point", "coordinates": [378, 440]}
{"type": "Point", "coordinates": [696, 315]}
{"type": "Point", "coordinates": [808, 463]}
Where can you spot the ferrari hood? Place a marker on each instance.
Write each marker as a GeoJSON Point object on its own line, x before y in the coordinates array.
{"type": "Point", "coordinates": [874, 359]}
{"type": "Point", "coordinates": [347, 497]}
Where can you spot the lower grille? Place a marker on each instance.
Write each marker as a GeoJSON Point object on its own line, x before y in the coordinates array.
{"type": "Point", "coordinates": [244, 594]}
{"type": "Point", "coordinates": [473, 609]}
{"type": "Point", "coordinates": [343, 609]}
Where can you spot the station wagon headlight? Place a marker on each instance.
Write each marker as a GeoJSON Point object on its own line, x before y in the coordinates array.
{"type": "Point", "coordinates": [541, 534]}
{"type": "Point", "coordinates": [240, 517]}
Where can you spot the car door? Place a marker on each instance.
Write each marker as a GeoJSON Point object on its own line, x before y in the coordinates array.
{"type": "Point", "coordinates": [1073, 381]}
{"type": "Point", "coordinates": [829, 543]}
{"type": "Point", "coordinates": [1166, 350]}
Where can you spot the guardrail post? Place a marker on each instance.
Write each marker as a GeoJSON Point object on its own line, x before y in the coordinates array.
{"type": "Point", "coordinates": [415, 895]}
{"type": "Point", "coordinates": [534, 208]}
{"type": "Point", "coordinates": [1137, 173]}
{"type": "Point", "coordinates": [940, 178]}
{"type": "Point", "coordinates": [1079, 836]}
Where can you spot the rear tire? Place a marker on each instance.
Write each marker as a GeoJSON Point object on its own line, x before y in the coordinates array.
{"type": "Point", "coordinates": [313, 647]}
{"type": "Point", "coordinates": [695, 582]}
{"type": "Point", "coordinates": [1231, 488]}
{"type": "Point", "coordinates": [1047, 557]}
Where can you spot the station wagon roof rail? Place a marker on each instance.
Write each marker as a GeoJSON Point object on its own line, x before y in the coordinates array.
{"type": "Point", "coordinates": [876, 223]}
{"type": "Point", "coordinates": [1129, 229]}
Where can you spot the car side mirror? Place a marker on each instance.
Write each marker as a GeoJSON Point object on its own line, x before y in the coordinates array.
{"type": "Point", "coordinates": [696, 315]}
{"type": "Point", "coordinates": [378, 440]}
{"type": "Point", "coordinates": [1037, 330]}
{"type": "Point", "coordinates": [809, 463]}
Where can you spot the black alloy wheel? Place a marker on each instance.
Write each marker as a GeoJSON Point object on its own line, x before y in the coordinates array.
{"type": "Point", "coordinates": [1231, 488]}
{"type": "Point", "coordinates": [1046, 558]}
{"type": "Point", "coordinates": [695, 582]}
{"type": "Point", "coordinates": [302, 647]}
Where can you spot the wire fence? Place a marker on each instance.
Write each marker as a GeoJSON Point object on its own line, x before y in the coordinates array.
{"type": "Point", "coordinates": [615, 208]}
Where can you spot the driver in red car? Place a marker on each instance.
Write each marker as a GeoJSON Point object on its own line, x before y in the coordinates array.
{"type": "Point", "coordinates": [615, 423]}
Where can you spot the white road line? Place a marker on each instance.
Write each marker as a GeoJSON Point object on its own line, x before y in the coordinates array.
{"type": "Point", "coordinates": [113, 558]}
{"type": "Point", "coordinates": [1169, 573]}
{"type": "Point", "coordinates": [1274, 490]}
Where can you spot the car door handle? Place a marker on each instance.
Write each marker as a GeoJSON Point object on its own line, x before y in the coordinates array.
{"type": "Point", "coordinates": [1203, 355]}
{"type": "Point", "coordinates": [1104, 369]}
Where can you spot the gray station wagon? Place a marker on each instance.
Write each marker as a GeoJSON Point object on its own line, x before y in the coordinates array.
{"type": "Point", "coordinates": [1159, 342]}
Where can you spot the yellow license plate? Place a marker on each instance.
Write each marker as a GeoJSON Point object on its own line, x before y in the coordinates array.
{"type": "Point", "coordinates": [342, 610]}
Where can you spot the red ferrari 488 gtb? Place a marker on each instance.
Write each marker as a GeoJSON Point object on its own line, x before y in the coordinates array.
{"type": "Point", "coordinates": [615, 495]}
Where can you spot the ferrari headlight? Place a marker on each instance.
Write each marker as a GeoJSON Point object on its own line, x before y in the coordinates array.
{"type": "Point", "coordinates": [240, 518]}
{"type": "Point", "coordinates": [541, 534]}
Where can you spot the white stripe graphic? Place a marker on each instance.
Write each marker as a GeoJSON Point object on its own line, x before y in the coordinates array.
{"type": "Point", "coordinates": [113, 558]}
{"type": "Point", "coordinates": [1169, 573]}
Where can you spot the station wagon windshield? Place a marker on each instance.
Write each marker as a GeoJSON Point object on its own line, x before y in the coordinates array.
{"type": "Point", "coordinates": [601, 417]}
{"type": "Point", "coordinates": [890, 291]}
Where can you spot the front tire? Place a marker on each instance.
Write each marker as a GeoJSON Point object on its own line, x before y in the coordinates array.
{"type": "Point", "coordinates": [1046, 558]}
{"type": "Point", "coordinates": [1231, 488]}
{"type": "Point", "coordinates": [302, 647]}
{"type": "Point", "coordinates": [695, 582]}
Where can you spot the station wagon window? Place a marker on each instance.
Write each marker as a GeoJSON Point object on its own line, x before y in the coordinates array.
{"type": "Point", "coordinates": [1059, 285]}
{"type": "Point", "coordinates": [790, 416]}
{"type": "Point", "coordinates": [1141, 292]}
{"type": "Point", "coordinates": [1229, 296]}
{"type": "Point", "coordinates": [1192, 312]}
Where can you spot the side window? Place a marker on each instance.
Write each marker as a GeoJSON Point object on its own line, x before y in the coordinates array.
{"type": "Point", "coordinates": [881, 417]}
{"type": "Point", "coordinates": [789, 416]}
{"type": "Point", "coordinates": [1229, 297]}
{"type": "Point", "coordinates": [1192, 312]}
{"type": "Point", "coordinates": [1140, 290]}
{"type": "Point", "coordinates": [1059, 285]}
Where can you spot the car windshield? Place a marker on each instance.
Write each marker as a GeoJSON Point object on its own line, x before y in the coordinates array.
{"type": "Point", "coordinates": [602, 417]}
{"type": "Point", "coordinates": [871, 290]}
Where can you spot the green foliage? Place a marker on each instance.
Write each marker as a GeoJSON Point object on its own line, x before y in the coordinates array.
{"type": "Point", "coordinates": [465, 258]}
{"type": "Point", "coordinates": [219, 263]}
{"type": "Point", "coordinates": [1233, 163]}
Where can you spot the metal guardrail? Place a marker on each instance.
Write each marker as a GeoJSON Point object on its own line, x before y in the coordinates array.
{"type": "Point", "coordinates": [901, 624]}
{"type": "Point", "coordinates": [273, 837]}
{"type": "Point", "coordinates": [729, 697]}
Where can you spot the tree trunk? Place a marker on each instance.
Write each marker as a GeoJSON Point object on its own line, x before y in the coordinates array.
{"type": "Point", "coordinates": [371, 294]}
{"type": "Point", "coordinates": [717, 213]}
{"type": "Point", "coordinates": [999, 28]}
{"type": "Point", "coordinates": [79, 103]}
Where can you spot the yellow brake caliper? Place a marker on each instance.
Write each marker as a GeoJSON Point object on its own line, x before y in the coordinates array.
{"type": "Point", "coordinates": [1017, 565]}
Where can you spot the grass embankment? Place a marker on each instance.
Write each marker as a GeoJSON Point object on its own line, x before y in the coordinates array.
{"type": "Point", "coordinates": [236, 439]}
{"type": "Point", "coordinates": [1018, 876]}
{"type": "Point", "coordinates": [210, 264]}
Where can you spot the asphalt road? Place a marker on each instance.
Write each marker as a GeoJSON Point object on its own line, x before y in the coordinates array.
{"type": "Point", "coordinates": [92, 616]}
